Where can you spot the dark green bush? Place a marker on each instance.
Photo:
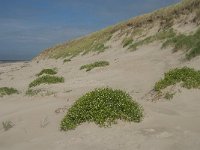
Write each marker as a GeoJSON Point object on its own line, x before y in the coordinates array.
{"type": "Point", "coordinates": [7, 91]}
{"type": "Point", "coordinates": [47, 71]}
{"type": "Point", "coordinates": [89, 67]}
{"type": "Point", "coordinates": [47, 79]}
{"type": "Point", "coordinates": [189, 78]}
{"type": "Point", "coordinates": [102, 106]}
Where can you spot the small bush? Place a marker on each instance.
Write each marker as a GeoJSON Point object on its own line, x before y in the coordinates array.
{"type": "Point", "coordinates": [102, 106]}
{"type": "Point", "coordinates": [47, 71]}
{"type": "Point", "coordinates": [47, 79]}
{"type": "Point", "coordinates": [189, 78]}
{"type": "Point", "coordinates": [7, 91]}
{"type": "Point", "coordinates": [89, 67]}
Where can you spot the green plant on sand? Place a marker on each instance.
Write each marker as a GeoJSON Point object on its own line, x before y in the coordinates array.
{"type": "Point", "coordinates": [47, 79]}
{"type": "Point", "coordinates": [102, 106]}
{"type": "Point", "coordinates": [188, 77]}
{"type": "Point", "coordinates": [47, 71]}
{"type": "Point", "coordinates": [7, 91]}
{"type": "Point", "coordinates": [91, 66]}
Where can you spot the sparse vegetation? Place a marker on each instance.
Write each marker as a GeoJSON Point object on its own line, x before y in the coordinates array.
{"type": "Point", "coordinates": [47, 79]}
{"type": "Point", "coordinates": [48, 71]}
{"type": "Point", "coordinates": [95, 42]}
{"type": "Point", "coordinates": [189, 43]}
{"type": "Point", "coordinates": [104, 107]}
{"type": "Point", "coordinates": [127, 41]}
{"type": "Point", "coordinates": [7, 125]}
{"type": "Point", "coordinates": [67, 60]}
{"type": "Point", "coordinates": [188, 77]}
{"type": "Point", "coordinates": [32, 92]}
{"type": "Point", "coordinates": [162, 35]}
{"type": "Point", "coordinates": [91, 66]}
{"type": "Point", "coordinates": [169, 95]}
{"type": "Point", "coordinates": [7, 91]}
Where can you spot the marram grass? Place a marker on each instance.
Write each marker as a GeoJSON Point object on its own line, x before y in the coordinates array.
{"type": "Point", "coordinates": [103, 106]}
{"type": "Point", "coordinates": [47, 71]}
{"type": "Point", "coordinates": [96, 64]}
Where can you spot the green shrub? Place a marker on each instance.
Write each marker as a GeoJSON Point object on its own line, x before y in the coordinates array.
{"type": "Point", "coordinates": [7, 91]}
{"type": "Point", "coordinates": [189, 78]}
{"type": "Point", "coordinates": [47, 71]}
{"type": "Point", "coordinates": [102, 106]}
{"type": "Point", "coordinates": [47, 79]}
{"type": "Point", "coordinates": [190, 43]}
{"type": "Point", "coordinates": [91, 66]}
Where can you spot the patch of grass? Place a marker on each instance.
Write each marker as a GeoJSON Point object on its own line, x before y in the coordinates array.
{"type": "Point", "coordinates": [127, 41]}
{"type": "Point", "coordinates": [7, 125]}
{"type": "Point", "coordinates": [47, 79]}
{"type": "Point", "coordinates": [7, 91]}
{"type": "Point", "coordinates": [67, 60]}
{"type": "Point", "coordinates": [166, 34]}
{"type": "Point", "coordinates": [189, 78]}
{"type": "Point", "coordinates": [47, 71]}
{"type": "Point", "coordinates": [189, 43]}
{"type": "Point", "coordinates": [91, 66]}
{"type": "Point", "coordinates": [104, 107]}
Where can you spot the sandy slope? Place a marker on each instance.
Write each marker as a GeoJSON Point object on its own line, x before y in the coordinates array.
{"type": "Point", "coordinates": [167, 125]}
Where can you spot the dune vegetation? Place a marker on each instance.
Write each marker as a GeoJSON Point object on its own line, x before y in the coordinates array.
{"type": "Point", "coordinates": [7, 91]}
{"type": "Point", "coordinates": [96, 64]}
{"type": "Point", "coordinates": [46, 79]}
{"type": "Point", "coordinates": [104, 107]}
{"type": "Point", "coordinates": [96, 42]}
{"type": "Point", "coordinates": [47, 71]}
{"type": "Point", "coordinates": [188, 77]}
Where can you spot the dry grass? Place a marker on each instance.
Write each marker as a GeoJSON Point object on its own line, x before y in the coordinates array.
{"type": "Point", "coordinates": [95, 42]}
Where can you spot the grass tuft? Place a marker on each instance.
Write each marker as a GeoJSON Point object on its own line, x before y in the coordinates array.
{"type": "Point", "coordinates": [162, 35]}
{"type": "Point", "coordinates": [189, 43]}
{"type": "Point", "coordinates": [47, 79]}
{"type": "Point", "coordinates": [189, 78]}
{"type": "Point", "coordinates": [67, 60]}
{"type": "Point", "coordinates": [104, 107]}
{"type": "Point", "coordinates": [47, 71]}
{"type": "Point", "coordinates": [91, 66]}
{"type": "Point", "coordinates": [7, 91]}
{"type": "Point", "coordinates": [127, 41]}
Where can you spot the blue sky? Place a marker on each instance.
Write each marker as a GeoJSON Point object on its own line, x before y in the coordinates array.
{"type": "Point", "coordinates": [29, 26]}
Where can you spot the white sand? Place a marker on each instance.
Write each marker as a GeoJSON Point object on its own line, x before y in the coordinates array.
{"type": "Point", "coordinates": [167, 125]}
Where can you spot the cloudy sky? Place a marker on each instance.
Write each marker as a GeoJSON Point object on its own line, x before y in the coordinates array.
{"type": "Point", "coordinates": [29, 26]}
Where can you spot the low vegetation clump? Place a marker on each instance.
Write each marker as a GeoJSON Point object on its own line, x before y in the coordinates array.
{"type": "Point", "coordinates": [104, 107]}
{"type": "Point", "coordinates": [47, 71]}
{"type": "Point", "coordinates": [47, 79]}
{"type": "Point", "coordinates": [188, 77]}
{"type": "Point", "coordinates": [91, 66]}
{"type": "Point", "coordinates": [162, 35]}
{"type": "Point", "coordinates": [127, 41]}
{"type": "Point", "coordinates": [67, 60]}
{"type": "Point", "coordinates": [32, 92]}
{"type": "Point", "coordinates": [7, 91]}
